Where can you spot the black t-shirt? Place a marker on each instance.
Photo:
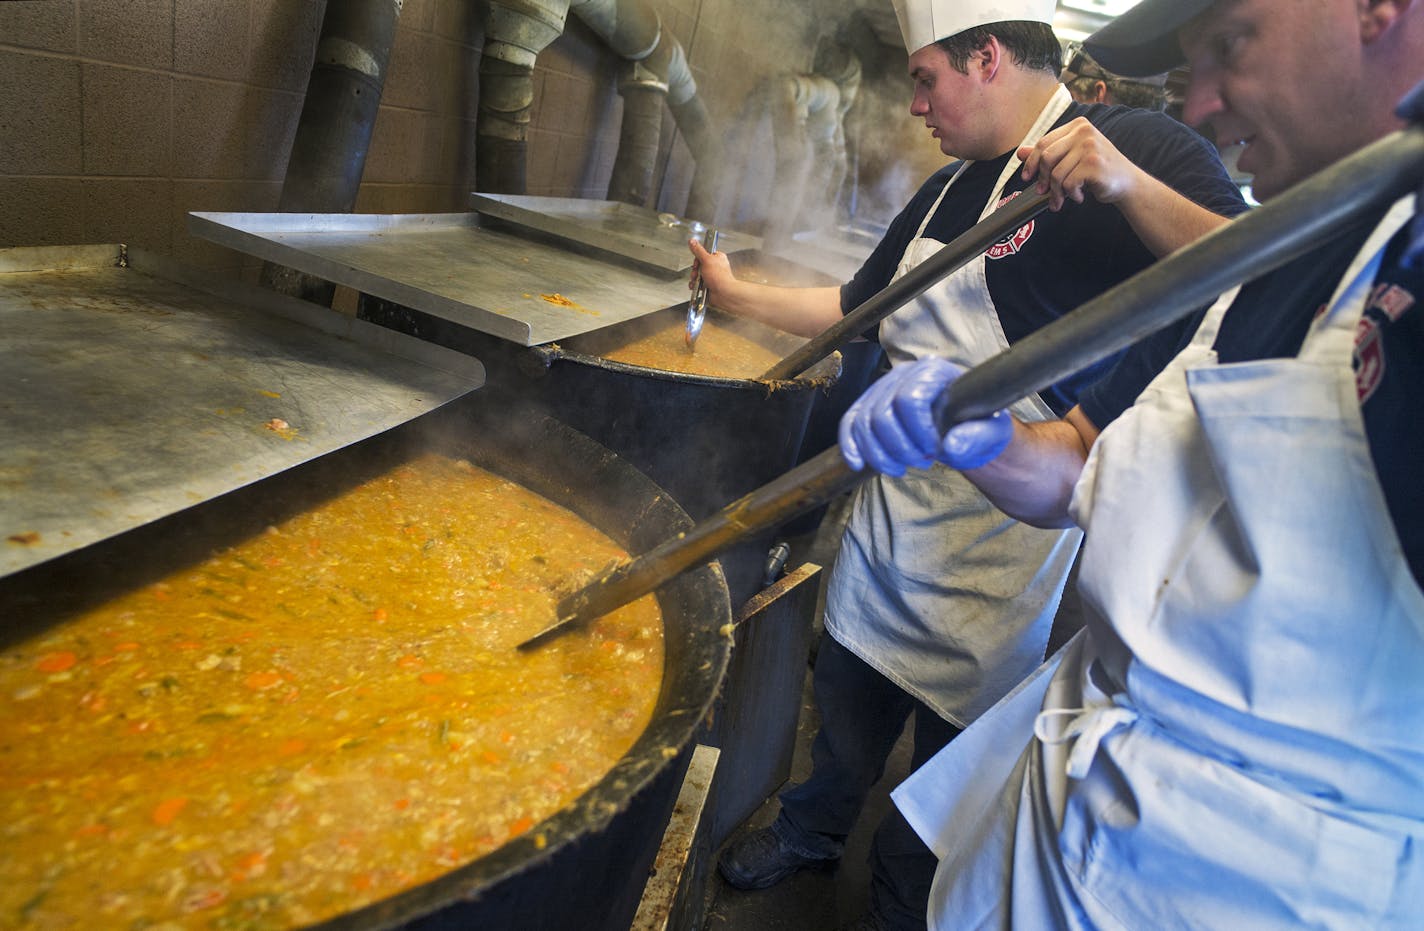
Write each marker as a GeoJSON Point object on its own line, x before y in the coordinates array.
{"type": "Point", "coordinates": [1269, 320]}
{"type": "Point", "coordinates": [1058, 260]}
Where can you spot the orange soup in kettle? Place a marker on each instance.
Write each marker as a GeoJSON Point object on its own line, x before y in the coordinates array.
{"type": "Point", "coordinates": [318, 717]}
{"type": "Point", "coordinates": [719, 351]}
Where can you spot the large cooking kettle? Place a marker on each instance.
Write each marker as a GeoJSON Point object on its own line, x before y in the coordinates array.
{"type": "Point", "coordinates": [585, 866]}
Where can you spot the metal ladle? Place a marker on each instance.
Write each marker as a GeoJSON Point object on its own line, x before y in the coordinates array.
{"type": "Point", "coordinates": [697, 307]}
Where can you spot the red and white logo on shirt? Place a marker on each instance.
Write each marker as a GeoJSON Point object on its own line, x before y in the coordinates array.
{"type": "Point", "coordinates": [1387, 303]}
{"type": "Point", "coordinates": [1016, 240]}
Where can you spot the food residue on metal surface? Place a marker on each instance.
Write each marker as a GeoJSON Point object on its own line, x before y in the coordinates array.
{"type": "Point", "coordinates": [280, 427]}
{"type": "Point", "coordinates": [270, 394]}
{"type": "Point", "coordinates": [28, 538]}
{"type": "Point", "coordinates": [561, 301]}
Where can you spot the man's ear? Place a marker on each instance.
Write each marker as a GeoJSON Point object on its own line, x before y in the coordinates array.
{"type": "Point", "coordinates": [1377, 17]}
{"type": "Point", "coordinates": [985, 60]}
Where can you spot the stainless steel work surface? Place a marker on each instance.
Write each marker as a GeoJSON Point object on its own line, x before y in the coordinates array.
{"type": "Point", "coordinates": [449, 266]}
{"type": "Point", "coordinates": [128, 393]}
{"type": "Point", "coordinates": [651, 240]}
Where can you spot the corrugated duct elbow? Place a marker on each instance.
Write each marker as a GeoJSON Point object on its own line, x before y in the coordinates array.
{"type": "Point", "coordinates": [334, 132]}
{"type": "Point", "coordinates": [515, 33]}
{"type": "Point", "coordinates": [695, 124]}
{"type": "Point", "coordinates": [657, 70]}
{"type": "Point", "coordinates": [631, 28]}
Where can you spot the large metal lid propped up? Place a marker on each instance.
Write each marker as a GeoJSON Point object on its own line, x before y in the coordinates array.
{"type": "Point", "coordinates": [132, 388]}
{"type": "Point", "coordinates": [625, 233]}
{"type": "Point", "coordinates": [454, 267]}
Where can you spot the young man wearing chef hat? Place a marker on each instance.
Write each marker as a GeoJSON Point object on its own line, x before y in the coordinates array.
{"type": "Point", "coordinates": [1237, 738]}
{"type": "Point", "coordinates": [938, 602]}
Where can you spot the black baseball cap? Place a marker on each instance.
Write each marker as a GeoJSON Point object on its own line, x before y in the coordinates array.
{"type": "Point", "coordinates": [1143, 40]}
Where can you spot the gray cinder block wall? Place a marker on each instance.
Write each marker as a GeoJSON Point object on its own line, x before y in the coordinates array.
{"type": "Point", "coordinates": [117, 117]}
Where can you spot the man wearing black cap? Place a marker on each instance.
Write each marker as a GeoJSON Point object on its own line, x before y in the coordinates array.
{"type": "Point", "coordinates": [1089, 83]}
{"type": "Point", "coordinates": [1237, 739]}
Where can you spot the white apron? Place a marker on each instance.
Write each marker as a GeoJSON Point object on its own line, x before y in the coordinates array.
{"type": "Point", "coordinates": [934, 586]}
{"type": "Point", "coordinates": [1244, 746]}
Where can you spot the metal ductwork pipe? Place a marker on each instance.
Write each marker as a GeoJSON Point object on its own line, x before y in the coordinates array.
{"type": "Point", "coordinates": [810, 159]}
{"type": "Point", "coordinates": [631, 28]}
{"type": "Point", "coordinates": [696, 127]}
{"type": "Point", "coordinates": [518, 30]}
{"type": "Point", "coordinates": [644, 94]}
{"type": "Point", "coordinates": [838, 63]}
{"type": "Point", "coordinates": [515, 33]}
{"type": "Point", "coordinates": [808, 114]}
{"type": "Point", "coordinates": [657, 72]}
{"type": "Point", "coordinates": [334, 131]}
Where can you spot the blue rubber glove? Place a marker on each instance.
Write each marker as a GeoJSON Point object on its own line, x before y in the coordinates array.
{"type": "Point", "coordinates": [891, 427]}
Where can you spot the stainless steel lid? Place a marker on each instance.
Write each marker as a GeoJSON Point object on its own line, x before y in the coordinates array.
{"type": "Point", "coordinates": [132, 388]}
{"type": "Point", "coordinates": [639, 236]}
{"type": "Point", "coordinates": [455, 267]}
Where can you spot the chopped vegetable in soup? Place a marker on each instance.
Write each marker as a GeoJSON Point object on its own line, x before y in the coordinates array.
{"type": "Point", "coordinates": [318, 717]}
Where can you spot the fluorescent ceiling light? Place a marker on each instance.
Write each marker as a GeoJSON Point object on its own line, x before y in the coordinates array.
{"type": "Point", "coordinates": [1101, 7]}
{"type": "Point", "coordinates": [1070, 34]}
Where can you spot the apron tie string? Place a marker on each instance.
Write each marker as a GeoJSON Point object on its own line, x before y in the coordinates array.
{"type": "Point", "coordinates": [1088, 725]}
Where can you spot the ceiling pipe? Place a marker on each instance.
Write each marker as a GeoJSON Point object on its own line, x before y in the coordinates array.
{"type": "Point", "coordinates": [693, 121]}
{"type": "Point", "coordinates": [644, 90]}
{"type": "Point", "coordinates": [808, 113]}
{"type": "Point", "coordinates": [796, 103]}
{"type": "Point", "coordinates": [334, 131]}
{"type": "Point", "coordinates": [632, 29]}
{"type": "Point", "coordinates": [656, 72]}
{"type": "Point", "coordinates": [516, 31]}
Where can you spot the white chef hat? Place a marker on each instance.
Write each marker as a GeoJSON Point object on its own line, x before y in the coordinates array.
{"type": "Point", "coordinates": [925, 21]}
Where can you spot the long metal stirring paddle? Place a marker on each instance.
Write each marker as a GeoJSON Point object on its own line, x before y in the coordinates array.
{"type": "Point", "coordinates": [956, 254]}
{"type": "Point", "coordinates": [1291, 224]}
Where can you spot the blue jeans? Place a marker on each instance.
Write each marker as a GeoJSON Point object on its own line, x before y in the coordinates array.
{"type": "Point", "coordinates": [862, 715]}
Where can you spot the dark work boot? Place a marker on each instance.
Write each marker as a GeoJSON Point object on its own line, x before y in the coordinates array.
{"type": "Point", "coordinates": [761, 859]}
